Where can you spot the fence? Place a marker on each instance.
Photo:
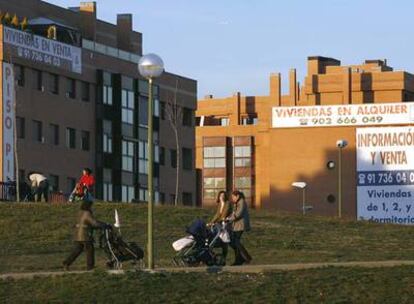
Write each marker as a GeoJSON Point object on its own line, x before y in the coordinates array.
{"type": "Point", "coordinates": [8, 193]}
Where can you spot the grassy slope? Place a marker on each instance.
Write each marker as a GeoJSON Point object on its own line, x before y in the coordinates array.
{"type": "Point", "coordinates": [329, 285]}
{"type": "Point", "coordinates": [38, 237]}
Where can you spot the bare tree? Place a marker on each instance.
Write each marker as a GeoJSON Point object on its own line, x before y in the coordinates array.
{"type": "Point", "coordinates": [174, 115]}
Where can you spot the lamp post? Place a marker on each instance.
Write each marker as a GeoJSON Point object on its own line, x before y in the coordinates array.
{"type": "Point", "coordinates": [340, 144]}
{"type": "Point", "coordinates": [150, 66]}
{"type": "Point", "coordinates": [302, 185]}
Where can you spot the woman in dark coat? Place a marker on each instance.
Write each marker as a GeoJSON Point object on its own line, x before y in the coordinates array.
{"type": "Point", "coordinates": [83, 236]}
{"type": "Point", "coordinates": [241, 223]}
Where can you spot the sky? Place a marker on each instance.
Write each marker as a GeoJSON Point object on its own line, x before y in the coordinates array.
{"type": "Point", "coordinates": [233, 45]}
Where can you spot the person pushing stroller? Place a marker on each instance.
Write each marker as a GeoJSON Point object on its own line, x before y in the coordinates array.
{"type": "Point", "coordinates": [84, 187]}
{"type": "Point", "coordinates": [223, 211]}
{"type": "Point", "coordinates": [83, 236]}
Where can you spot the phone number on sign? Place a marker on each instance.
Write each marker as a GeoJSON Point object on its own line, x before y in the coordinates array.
{"type": "Point", "coordinates": [386, 178]}
{"type": "Point", "coordinates": [38, 56]}
{"type": "Point", "coordinates": [349, 120]}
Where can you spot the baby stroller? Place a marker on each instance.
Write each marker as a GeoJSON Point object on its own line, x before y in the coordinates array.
{"type": "Point", "coordinates": [199, 246]}
{"type": "Point", "coordinates": [116, 249]}
{"type": "Point", "coordinates": [80, 193]}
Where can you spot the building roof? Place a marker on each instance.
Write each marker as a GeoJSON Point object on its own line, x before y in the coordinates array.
{"type": "Point", "coordinates": [47, 21]}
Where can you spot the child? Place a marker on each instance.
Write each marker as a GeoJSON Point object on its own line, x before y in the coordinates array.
{"type": "Point", "coordinates": [84, 187]}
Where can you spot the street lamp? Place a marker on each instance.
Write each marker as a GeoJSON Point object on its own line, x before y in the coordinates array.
{"type": "Point", "coordinates": [340, 144]}
{"type": "Point", "coordinates": [302, 185]}
{"type": "Point", "coordinates": [150, 66]}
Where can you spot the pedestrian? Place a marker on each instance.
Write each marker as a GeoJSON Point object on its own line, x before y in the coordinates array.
{"type": "Point", "coordinates": [83, 236]}
{"type": "Point", "coordinates": [84, 187]}
{"type": "Point", "coordinates": [223, 211]}
{"type": "Point", "coordinates": [39, 185]}
{"type": "Point", "coordinates": [240, 223]}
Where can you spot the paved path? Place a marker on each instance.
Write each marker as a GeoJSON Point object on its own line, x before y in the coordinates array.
{"type": "Point", "coordinates": [236, 269]}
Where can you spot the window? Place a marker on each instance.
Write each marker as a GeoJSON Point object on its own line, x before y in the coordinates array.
{"type": "Point", "coordinates": [162, 156]}
{"type": "Point", "coordinates": [107, 185]}
{"type": "Point", "coordinates": [85, 91]}
{"type": "Point", "coordinates": [143, 111]}
{"type": "Point", "coordinates": [212, 186]}
{"type": "Point", "coordinates": [143, 195]}
{"type": "Point", "coordinates": [71, 184]}
{"type": "Point", "coordinates": [107, 136]}
{"type": "Point", "coordinates": [156, 106]}
{"type": "Point", "coordinates": [172, 199]}
{"type": "Point", "coordinates": [142, 157]}
{"type": "Point", "coordinates": [107, 192]}
{"type": "Point", "coordinates": [187, 117]}
{"type": "Point", "coordinates": [107, 89]}
{"type": "Point", "coordinates": [162, 110]}
{"type": "Point", "coordinates": [224, 121]}
{"type": "Point", "coordinates": [173, 158]}
{"type": "Point", "coordinates": [71, 88]}
{"type": "Point", "coordinates": [38, 80]}
{"type": "Point", "coordinates": [214, 157]}
{"type": "Point", "coordinates": [242, 156]}
{"type": "Point", "coordinates": [19, 75]}
{"type": "Point", "coordinates": [53, 83]}
{"type": "Point", "coordinates": [242, 182]}
{"type": "Point", "coordinates": [54, 134]}
{"type": "Point", "coordinates": [128, 99]}
{"type": "Point", "coordinates": [54, 182]}
{"type": "Point", "coordinates": [21, 127]}
{"type": "Point", "coordinates": [249, 120]}
{"type": "Point", "coordinates": [71, 138]}
{"type": "Point", "coordinates": [187, 159]}
{"type": "Point", "coordinates": [127, 156]}
{"type": "Point", "coordinates": [37, 131]}
{"type": "Point", "coordinates": [162, 198]}
{"type": "Point", "coordinates": [128, 193]}
{"type": "Point", "coordinates": [85, 145]}
{"type": "Point", "coordinates": [187, 198]}
{"type": "Point", "coordinates": [107, 95]}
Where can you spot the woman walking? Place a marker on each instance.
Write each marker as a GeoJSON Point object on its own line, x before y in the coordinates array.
{"type": "Point", "coordinates": [83, 236]}
{"type": "Point", "coordinates": [222, 212]}
{"type": "Point", "coordinates": [241, 222]}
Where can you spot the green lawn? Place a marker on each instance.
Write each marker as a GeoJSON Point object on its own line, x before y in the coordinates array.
{"type": "Point", "coordinates": [38, 236]}
{"type": "Point", "coordinates": [328, 285]}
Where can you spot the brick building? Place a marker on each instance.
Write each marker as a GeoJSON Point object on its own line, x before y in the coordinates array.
{"type": "Point", "coordinates": [80, 102]}
{"type": "Point", "coordinates": [251, 142]}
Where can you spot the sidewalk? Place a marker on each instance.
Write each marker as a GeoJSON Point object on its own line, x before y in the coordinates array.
{"type": "Point", "coordinates": [233, 269]}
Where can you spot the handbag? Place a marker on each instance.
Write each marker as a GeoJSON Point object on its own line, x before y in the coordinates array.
{"type": "Point", "coordinates": [224, 236]}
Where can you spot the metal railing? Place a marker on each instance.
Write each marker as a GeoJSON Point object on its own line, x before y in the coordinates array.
{"type": "Point", "coordinates": [8, 193]}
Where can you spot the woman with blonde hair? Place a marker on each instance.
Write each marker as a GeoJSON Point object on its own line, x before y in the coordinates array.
{"type": "Point", "coordinates": [223, 211]}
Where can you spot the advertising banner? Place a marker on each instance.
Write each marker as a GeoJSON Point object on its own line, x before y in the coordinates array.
{"type": "Point", "coordinates": [343, 115]}
{"type": "Point", "coordinates": [385, 174]}
{"type": "Point", "coordinates": [42, 50]}
{"type": "Point", "coordinates": [8, 122]}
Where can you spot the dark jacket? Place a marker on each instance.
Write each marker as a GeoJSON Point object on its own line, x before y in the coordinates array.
{"type": "Point", "coordinates": [240, 216]}
{"type": "Point", "coordinates": [85, 225]}
{"type": "Point", "coordinates": [221, 215]}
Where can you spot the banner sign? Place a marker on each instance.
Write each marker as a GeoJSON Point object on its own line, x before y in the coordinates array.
{"type": "Point", "coordinates": [42, 50]}
{"type": "Point", "coordinates": [8, 122]}
{"type": "Point", "coordinates": [343, 115]}
{"type": "Point", "coordinates": [385, 174]}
